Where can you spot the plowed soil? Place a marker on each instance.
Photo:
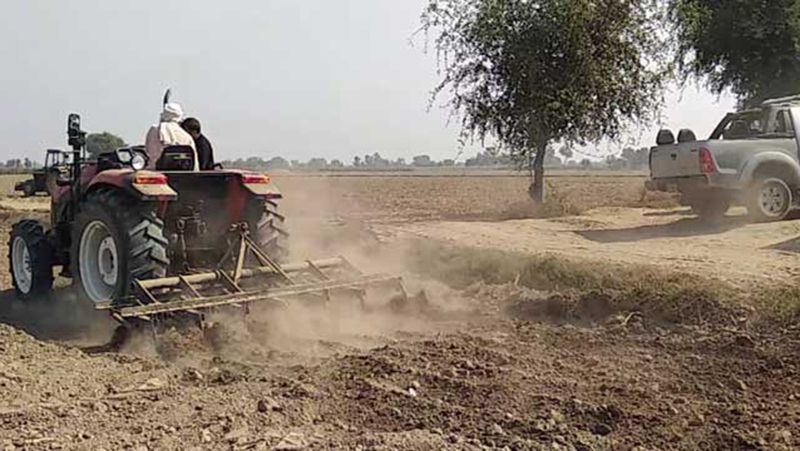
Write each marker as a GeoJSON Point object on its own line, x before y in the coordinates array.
{"type": "Point", "coordinates": [527, 339]}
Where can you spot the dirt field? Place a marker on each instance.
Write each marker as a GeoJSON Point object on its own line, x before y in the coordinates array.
{"type": "Point", "coordinates": [622, 327]}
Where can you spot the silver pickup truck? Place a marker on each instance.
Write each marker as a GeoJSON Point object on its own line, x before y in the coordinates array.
{"type": "Point", "coordinates": [750, 159]}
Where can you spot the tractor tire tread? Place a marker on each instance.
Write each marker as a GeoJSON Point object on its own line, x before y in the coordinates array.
{"type": "Point", "coordinates": [41, 255]}
{"type": "Point", "coordinates": [270, 230]}
{"type": "Point", "coordinates": [147, 256]}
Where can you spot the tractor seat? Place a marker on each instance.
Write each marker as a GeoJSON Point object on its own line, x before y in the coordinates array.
{"type": "Point", "coordinates": [176, 158]}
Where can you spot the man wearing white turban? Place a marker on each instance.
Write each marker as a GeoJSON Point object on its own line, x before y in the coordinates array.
{"type": "Point", "coordinates": [168, 132]}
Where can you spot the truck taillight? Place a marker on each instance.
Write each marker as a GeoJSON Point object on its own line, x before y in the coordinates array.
{"type": "Point", "coordinates": [706, 161]}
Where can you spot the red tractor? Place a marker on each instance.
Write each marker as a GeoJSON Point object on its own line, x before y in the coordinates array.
{"type": "Point", "coordinates": [112, 222]}
{"type": "Point", "coordinates": [170, 241]}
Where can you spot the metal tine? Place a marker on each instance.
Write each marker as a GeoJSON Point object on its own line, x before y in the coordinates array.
{"type": "Point", "coordinates": [316, 270]}
{"type": "Point", "coordinates": [230, 284]}
{"type": "Point", "coordinates": [326, 294]}
{"type": "Point", "coordinates": [237, 272]}
{"type": "Point", "coordinates": [346, 263]}
{"type": "Point", "coordinates": [144, 292]}
{"type": "Point", "coordinates": [192, 291]}
{"type": "Point", "coordinates": [360, 293]}
{"type": "Point", "coordinates": [242, 298]}
{"type": "Point", "coordinates": [265, 259]}
{"type": "Point", "coordinates": [213, 276]}
{"type": "Point", "coordinates": [194, 294]}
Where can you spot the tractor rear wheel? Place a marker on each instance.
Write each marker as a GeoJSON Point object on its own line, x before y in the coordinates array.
{"type": "Point", "coordinates": [268, 229]}
{"type": "Point", "coordinates": [116, 239]}
{"type": "Point", "coordinates": [30, 258]}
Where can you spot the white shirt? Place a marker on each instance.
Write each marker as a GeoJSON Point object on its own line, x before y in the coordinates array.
{"type": "Point", "coordinates": [166, 134]}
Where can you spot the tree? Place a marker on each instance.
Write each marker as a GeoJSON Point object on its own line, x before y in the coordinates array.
{"type": "Point", "coordinates": [614, 162]}
{"type": "Point", "coordinates": [551, 159]}
{"type": "Point", "coordinates": [422, 161]}
{"type": "Point", "coordinates": [750, 47]}
{"type": "Point", "coordinates": [256, 163]}
{"type": "Point", "coordinates": [566, 152]}
{"type": "Point", "coordinates": [636, 158]}
{"type": "Point", "coordinates": [531, 72]}
{"type": "Point", "coordinates": [488, 158]}
{"type": "Point", "coordinates": [97, 143]}
{"type": "Point", "coordinates": [276, 163]}
{"type": "Point", "coordinates": [379, 161]}
{"type": "Point", "coordinates": [317, 163]}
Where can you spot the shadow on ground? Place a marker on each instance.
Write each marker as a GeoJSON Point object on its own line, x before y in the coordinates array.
{"type": "Point", "coordinates": [59, 316]}
{"type": "Point", "coordinates": [681, 228]}
{"type": "Point", "coordinates": [687, 212]}
{"type": "Point", "coordinates": [791, 245]}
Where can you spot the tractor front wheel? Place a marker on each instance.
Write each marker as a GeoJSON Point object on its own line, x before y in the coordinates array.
{"type": "Point", "coordinates": [116, 239]}
{"type": "Point", "coordinates": [30, 258]}
{"type": "Point", "coordinates": [29, 189]}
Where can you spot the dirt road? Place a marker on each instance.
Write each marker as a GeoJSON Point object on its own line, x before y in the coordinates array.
{"type": "Point", "coordinates": [731, 250]}
{"type": "Point", "coordinates": [484, 366]}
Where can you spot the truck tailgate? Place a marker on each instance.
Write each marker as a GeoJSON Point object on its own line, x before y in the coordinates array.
{"type": "Point", "coordinates": [675, 160]}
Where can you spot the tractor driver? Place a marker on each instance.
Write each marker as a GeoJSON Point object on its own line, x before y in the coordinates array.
{"type": "Point", "coordinates": [168, 132]}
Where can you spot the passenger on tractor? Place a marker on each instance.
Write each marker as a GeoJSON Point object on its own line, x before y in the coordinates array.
{"type": "Point", "coordinates": [168, 134]}
{"type": "Point", "coordinates": [205, 153]}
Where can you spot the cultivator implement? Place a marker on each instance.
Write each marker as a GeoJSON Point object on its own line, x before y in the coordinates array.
{"type": "Point", "coordinates": [236, 285]}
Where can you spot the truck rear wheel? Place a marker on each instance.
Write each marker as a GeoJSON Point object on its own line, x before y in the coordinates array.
{"type": "Point", "coordinates": [769, 199]}
{"type": "Point", "coordinates": [30, 258]}
{"type": "Point", "coordinates": [116, 240]}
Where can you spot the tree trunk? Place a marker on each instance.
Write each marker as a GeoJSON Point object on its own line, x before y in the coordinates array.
{"type": "Point", "coordinates": [536, 190]}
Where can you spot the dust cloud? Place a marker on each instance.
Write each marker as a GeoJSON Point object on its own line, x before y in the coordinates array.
{"type": "Point", "coordinates": [322, 223]}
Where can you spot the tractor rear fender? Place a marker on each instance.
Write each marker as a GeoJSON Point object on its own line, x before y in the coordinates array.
{"type": "Point", "coordinates": [260, 185]}
{"type": "Point", "coordinates": [144, 185]}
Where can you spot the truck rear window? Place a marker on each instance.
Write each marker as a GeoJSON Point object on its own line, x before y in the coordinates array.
{"type": "Point", "coordinates": [743, 126]}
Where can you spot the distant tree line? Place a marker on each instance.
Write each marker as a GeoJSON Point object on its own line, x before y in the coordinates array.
{"type": "Point", "coordinates": [563, 158]}
{"type": "Point", "coordinates": [18, 165]}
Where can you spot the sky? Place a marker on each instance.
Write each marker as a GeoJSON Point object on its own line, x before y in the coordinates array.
{"type": "Point", "coordinates": [300, 79]}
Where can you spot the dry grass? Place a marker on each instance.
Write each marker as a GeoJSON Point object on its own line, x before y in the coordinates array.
{"type": "Point", "coordinates": [669, 296]}
{"type": "Point", "coordinates": [7, 182]}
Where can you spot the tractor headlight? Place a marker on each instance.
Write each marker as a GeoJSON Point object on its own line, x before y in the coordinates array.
{"type": "Point", "coordinates": [138, 162]}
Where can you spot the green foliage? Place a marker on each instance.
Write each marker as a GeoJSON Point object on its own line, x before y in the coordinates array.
{"type": "Point", "coordinates": [97, 143]}
{"type": "Point", "coordinates": [530, 72]}
{"type": "Point", "coordinates": [749, 46]}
